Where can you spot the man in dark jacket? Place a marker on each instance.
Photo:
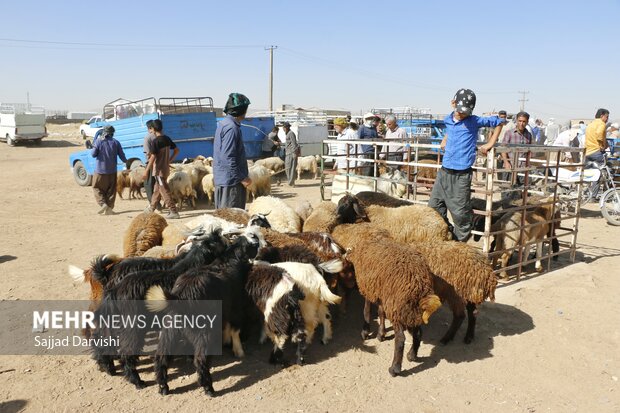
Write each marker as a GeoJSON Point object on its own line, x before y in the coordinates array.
{"type": "Point", "coordinates": [230, 165]}
{"type": "Point", "coordinates": [106, 149]}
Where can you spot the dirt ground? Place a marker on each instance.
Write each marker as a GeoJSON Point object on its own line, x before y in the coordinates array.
{"type": "Point", "coordinates": [549, 342]}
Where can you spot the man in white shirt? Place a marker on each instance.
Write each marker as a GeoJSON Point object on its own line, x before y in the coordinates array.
{"type": "Point", "coordinates": [395, 133]}
{"type": "Point", "coordinates": [345, 133]}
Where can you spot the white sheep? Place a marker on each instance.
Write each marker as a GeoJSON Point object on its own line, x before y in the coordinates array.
{"type": "Point", "coordinates": [208, 187]}
{"type": "Point", "coordinates": [281, 216]}
{"type": "Point", "coordinates": [307, 164]}
{"type": "Point", "coordinates": [181, 188]}
{"type": "Point", "coordinates": [261, 182]}
{"type": "Point", "coordinates": [274, 164]}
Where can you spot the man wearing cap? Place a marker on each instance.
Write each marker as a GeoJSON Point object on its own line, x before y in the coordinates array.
{"type": "Point", "coordinates": [292, 151]}
{"type": "Point", "coordinates": [345, 133]}
{"type": "Point", "coordinates": [368, 131]}
{"type": "Point", "coordinates": [451, 191]}
{"type": "Point", "coordinates": [230, 165]}
{"type": "Point", "coordinates": [106, 149]}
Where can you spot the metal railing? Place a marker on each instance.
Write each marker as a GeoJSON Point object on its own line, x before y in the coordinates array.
{"type": "Point", "coordinates": [532, 178]}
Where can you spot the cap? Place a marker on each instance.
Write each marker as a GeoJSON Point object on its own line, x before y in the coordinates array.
{"type": "Point", "coordinates": [465, 101]}
{"type": "Point", "coordinates": [615, 125]}
{"type": "Point", "coordinates": [286, 124]}
{"type": "Point", "coordinates": [237, 104]}
{"type": "Point", "coordinates": [370, 115]}
{"type": "Point", "coordinates": [341, 122]}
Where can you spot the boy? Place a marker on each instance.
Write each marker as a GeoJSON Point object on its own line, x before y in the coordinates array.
{"type": "Point", "coordinates": [106, 149]}
{"type": "Point", "coordinates": [452, 186]}
{"type": "Point", "coordinates": [159, 162]}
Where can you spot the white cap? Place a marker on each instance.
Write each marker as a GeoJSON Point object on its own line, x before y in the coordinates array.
{"type": "Point", "coordinates": [615, 125]}
{"type": "Point", "coordinates": [370, 115]}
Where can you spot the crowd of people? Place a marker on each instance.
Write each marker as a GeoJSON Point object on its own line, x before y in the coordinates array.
{"type": "Point", "coordinates": [450, 192]}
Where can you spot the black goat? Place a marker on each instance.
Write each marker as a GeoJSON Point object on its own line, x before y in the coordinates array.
{"type": "Point", "coordinates": [224, 280]}
{"type": "Point", "coordinates": [122, 297]}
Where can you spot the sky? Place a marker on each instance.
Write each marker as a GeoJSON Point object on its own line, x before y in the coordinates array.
{"type": "Point", "coordinates": [352, 55]}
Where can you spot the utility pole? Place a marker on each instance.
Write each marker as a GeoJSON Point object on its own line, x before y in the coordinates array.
{"type": "Point", "coordinates": [270, 48]}
{"type": "Point", "coordinates": [523, 99]}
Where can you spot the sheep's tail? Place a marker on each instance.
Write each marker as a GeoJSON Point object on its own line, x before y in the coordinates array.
{"type": "Point", "coordinates": [102, 267]}
{"type": "Point", "coordinates": [327, 295]}
{"type": "Point", "coordinates": [77, 273]}
{"type": "Point", "coordinates": [332, 266]}
{"type": "Point", "coordinates": [429, 305]}
{"type": "Point", "coordinates": [156, 299]}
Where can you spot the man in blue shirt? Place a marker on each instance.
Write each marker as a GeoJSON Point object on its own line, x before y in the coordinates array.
{"type": "Point", "coordinates": [106, 149]}
{"type": "Point", "coordinates": [368, 131]}
{"type": "Point", "coordinates": [230, 165]}
{"type": "Point", "coordinates": [451, 191]}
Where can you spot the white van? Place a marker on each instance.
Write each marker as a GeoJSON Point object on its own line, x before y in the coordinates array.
{"type": "Point", "coordinates": [19, 122]}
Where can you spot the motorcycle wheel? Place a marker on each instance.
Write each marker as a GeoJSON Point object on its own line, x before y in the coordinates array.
{"type": "Point", "coordinates": [610, 206]}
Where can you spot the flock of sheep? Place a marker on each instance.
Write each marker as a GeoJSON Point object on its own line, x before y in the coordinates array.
{"type": "Point", "coordinates": [193, 179]}
{"type": "Point", "coordinates": [279, 269]}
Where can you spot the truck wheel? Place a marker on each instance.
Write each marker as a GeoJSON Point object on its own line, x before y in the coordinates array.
{"type": "Point", "coordinates": [81, 176]}
{"type": "Point", "coordinates": [10, 141]}
{"type": "Point", "coordinates": [38, 141]}
{"type": "Point", "coordinates": [83, 133]}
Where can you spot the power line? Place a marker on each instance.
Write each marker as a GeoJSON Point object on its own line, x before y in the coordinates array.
{"type": "Point", "coordinates": [129, 45]}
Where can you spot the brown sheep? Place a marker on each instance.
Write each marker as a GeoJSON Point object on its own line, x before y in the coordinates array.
{"type": "Point", "coordinates": [463, 279]}
{"type": "Point", "coordinates": [234, 215]}
{"type": "Point", "coordinates": [144, 232]}
{"type": "Point", "coordinates": [322, 219]}
{"type": "Point", "coordinates": [394, 276]}
{"type": "Point", "coordinates": [122, 182]}
{"type": "Point", "coordinates": [379, 198]}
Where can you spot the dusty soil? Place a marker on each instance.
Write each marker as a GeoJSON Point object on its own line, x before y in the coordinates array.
{"type": "Point", "coordinates": [549, 342]}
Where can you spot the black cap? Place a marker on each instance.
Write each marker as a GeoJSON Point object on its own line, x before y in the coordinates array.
{"type": "Point", "coordinates": [286, 124]}
{"type": "Point", "coordinates": [465, 101]}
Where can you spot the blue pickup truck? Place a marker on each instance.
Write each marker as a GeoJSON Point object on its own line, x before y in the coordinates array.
{"type": "Point", "coordinates": [190, 123]}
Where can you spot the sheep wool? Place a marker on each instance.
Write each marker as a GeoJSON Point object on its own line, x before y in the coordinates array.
{"type": "Point", "coordinates": [144, 232]}
{"type": "Point", "coordinates": [410, 223]}
{"type": "Point", "coordinates": [322, 219]}
{"type": "Point", "coordinates": [281, 216]}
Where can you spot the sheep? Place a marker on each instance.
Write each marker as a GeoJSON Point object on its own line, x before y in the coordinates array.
{"type": "Point", "coordinates": [314, 307]}
{"type": "Point", "coordinates": [303, 209]}
{"type": "Point", "coordinates": [368, 198]}
{"type": "Point", "coordinates": [394, 276]}
{"type": "Point", "coordinates": [159, 251]}
{"type": "Point", "coordinates": [405, 224]}
{"type": "Point", "coordinates": [196, 172]}
{"type": "Point", "coordinates": [181, 188]}
{"type": "Point", "coordinates": [393, 182]}
{"type": "Point", "coordinates": [307, 164]}
{"type": "Point", "coordinates": [136, 182]}
{"type": "Point", "coordinates": [129, 283]}
{"type": "Point", "coordinates": [281, 216]}
{"type": "Point", "coordinates": [224, 281]}
{"type": "Point", "coordinates": [276, 296]}
{"type": "Point", "coordinates": [208, 188]}
{"type": "Point", "coordinates": [173, 234]}
{"type": "Point", "coordinates": [122, 182]}
{"type": "Point", "coordinates": [512, 235]}
{"type": "Point", "coordinates": [236, 215]}
{"type": "Point", "coordinates": [273, 163]}
{"type": "Point", "coordinates": [462, 278]}
{"type": "Point", "coordinates": [323, 218]}
{"type": "Point", "coordinates": [261, 182]}
{"type": "Point", "coordinates": [144, 232]}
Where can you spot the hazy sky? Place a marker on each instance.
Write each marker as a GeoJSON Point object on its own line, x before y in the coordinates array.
{"type": "Point", "coordinates": [78, 55]}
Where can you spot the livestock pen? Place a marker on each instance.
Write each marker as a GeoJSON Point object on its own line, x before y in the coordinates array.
{"type": "Point", "coordinates": [530, 187]}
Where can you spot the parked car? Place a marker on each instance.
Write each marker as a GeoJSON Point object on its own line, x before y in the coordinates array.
{"type": "Point", "coordinates": [20, 122]}
{"type": "Point", "coordinates": [88, 128]}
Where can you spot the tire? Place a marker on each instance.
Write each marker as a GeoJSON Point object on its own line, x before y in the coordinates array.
{"type": "Point", "coordinates": [38, 141]}
{"type": "Point", "coordinates": [83, 134]}
{"type": "Point", "coordinates": [610, 206]}
{"type": "Point", "coordinates": [80, 175]}
{"type": "Point", "coordinates": [10, 141]}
